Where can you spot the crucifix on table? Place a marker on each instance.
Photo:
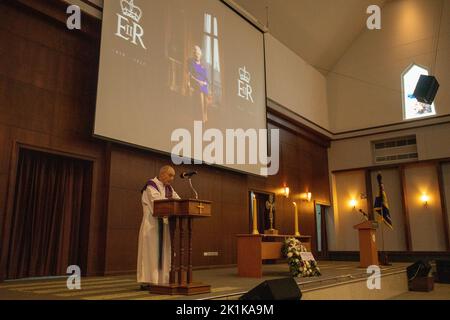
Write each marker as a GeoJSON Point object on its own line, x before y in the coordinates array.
{"type": "Point", "coordinates": [270, 205]}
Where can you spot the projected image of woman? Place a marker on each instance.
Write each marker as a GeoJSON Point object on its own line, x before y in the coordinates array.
{"type": "Point", "coordinates": [198, 81]}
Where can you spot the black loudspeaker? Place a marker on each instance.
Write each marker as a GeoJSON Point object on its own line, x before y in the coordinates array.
{"type": "Point", "coordinates": [278, 289]}
{"type": "Point", "coordinates": [419, 269]}
{"type": "Point", "coordinates": [426, 89]}
{"type": "Point", "coordinates": [443, 271]}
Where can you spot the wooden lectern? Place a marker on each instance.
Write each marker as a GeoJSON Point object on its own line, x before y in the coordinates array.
{"type": "Point", "coordinates": [179, 212]}
{"type": "Point", "coordinates": [368, 253]}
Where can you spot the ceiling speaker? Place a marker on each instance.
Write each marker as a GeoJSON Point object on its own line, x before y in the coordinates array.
{"type": "Point", "coordinates": [426, 89]}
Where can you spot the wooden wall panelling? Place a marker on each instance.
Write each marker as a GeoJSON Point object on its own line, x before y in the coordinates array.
{"type": "Point", "coordinates": [47, 102]}
{"type": "Point", "coordinates": [47, 99]}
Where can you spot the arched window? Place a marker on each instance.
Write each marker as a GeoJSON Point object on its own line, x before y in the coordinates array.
{"type": "Point", "coordinates": [413, 109]}
{"type": "Point", "coordinates": [212, 56]}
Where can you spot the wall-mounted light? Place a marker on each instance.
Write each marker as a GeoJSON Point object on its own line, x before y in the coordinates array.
{"type": "Point", "coordinates": [353, 203]}
{"type": "Point", "coordinates": [307, 196]}
{"type": "Point", "coordinates": [425, 198]}
{"type": "Point", "coordinates": [286, 191]}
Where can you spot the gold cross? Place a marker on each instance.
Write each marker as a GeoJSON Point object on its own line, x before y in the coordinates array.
{"type": "Point", "coordinates": [200, 207]}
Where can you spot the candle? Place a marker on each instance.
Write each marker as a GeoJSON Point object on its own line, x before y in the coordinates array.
{"type": "Point", "coordinates": [255, 216]}
{"type": "Point", "coordinates": [297, 232]}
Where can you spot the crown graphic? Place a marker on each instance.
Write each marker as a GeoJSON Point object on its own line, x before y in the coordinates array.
{"type": "Point", "coordinates": [244, 75]}
{"type": "Point", "coordinates": [129, 9]}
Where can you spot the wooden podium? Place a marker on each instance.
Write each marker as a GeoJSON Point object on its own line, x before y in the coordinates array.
{"type": "Point", "coordinates": [180, 213]}
{"type": "Point", "coordinates": [368, 253]}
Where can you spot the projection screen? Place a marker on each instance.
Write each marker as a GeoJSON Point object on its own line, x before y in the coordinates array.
{"type": "Point", "coordinates": [165, 64]}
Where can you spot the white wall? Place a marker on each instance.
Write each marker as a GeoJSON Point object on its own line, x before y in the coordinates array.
{"type": "Point", "coordinates": [294, 84]}
{"type": "Point", "coordinates": [364, 87]}
{"type": "Point", "coordinates": [432, 142]}
{"type": "Point", "coordinates": [347, 186]}
{"type": "Point", "coordinates": [426, 222]}
{"type": "Point", "coordinates": [427, 231]}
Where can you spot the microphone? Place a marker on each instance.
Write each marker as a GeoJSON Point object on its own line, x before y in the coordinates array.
{"type": "Point", "coordinates": [187, 175]}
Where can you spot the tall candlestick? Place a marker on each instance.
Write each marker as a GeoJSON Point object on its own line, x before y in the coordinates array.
{"type": "Point", "coordinates": [297, 232]}
{"type": "Point", "coordinates": [255, 216]}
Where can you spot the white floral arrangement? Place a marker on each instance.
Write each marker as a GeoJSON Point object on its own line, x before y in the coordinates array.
{"type": "Point", "coordinates": [291, 250]}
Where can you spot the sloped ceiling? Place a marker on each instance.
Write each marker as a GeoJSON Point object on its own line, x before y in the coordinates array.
{"type": "Point", "coordinates": [319, 31]}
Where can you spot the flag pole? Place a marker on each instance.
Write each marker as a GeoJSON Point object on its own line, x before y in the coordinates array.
{"type": "Point", "coordinates": [383, 254]}
{"type": "Point", "coordinates": [384, 257]}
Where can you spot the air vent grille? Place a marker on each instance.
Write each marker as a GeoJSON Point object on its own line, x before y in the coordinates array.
{"type": "Point", "coordinates": [403, 149]}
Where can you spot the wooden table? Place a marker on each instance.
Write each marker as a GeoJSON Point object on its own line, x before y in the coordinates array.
{"type": "Point", "coordinates": [254, 249]}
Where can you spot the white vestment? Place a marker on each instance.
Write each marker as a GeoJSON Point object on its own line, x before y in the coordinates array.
{"type": "Point", "coordinates": [148, 270]}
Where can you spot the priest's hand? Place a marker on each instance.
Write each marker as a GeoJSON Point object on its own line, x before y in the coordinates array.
{"type": "Point", "coordinates": [166, 220]}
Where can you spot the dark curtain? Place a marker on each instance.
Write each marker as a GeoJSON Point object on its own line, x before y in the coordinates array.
{"type": "Point", "coordinates": [50, 219]}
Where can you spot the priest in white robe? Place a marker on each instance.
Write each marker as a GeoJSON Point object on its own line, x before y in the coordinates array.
{"type": "Point", "coordinates": [154, 251]}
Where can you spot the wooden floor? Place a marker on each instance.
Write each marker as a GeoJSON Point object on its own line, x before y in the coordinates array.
{"type": "Point", "coordinates": [225, 284]}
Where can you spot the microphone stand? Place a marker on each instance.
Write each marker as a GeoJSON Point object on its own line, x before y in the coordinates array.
{"type": "Point", "coordinates": [365, 214]}
{"type": "Point", "coordinates": [192, 187]}
{"type": "Point", "coordinates": [384, 256]}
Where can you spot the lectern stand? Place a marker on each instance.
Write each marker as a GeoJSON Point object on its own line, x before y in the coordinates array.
{"type": "Point", "coordinates": [367, 243]}
{"type": "Point", "coordinates": [180, 213]}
